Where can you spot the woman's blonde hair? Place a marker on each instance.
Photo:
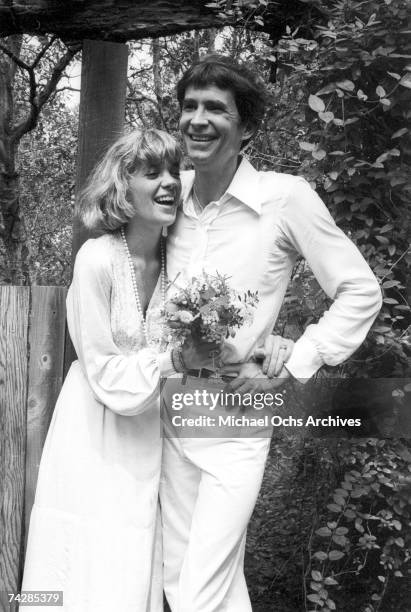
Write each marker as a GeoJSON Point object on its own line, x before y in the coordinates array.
{"type": "Point", "coordinates": [103, 204]}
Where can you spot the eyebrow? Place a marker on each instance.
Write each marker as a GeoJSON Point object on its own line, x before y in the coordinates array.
{"type": "Point", "coordinates": [207, 102]}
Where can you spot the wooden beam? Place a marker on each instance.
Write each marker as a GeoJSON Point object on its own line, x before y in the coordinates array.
{"type": "Point", "coordinates": [102, 109]}
{"type": "Point", "coordinates": [45, 377]}
{"type": "Point", "coordinates": [14, 312]}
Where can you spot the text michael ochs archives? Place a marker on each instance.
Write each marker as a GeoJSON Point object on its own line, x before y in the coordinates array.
{"type": "Point", "coordinates": [216, 401]}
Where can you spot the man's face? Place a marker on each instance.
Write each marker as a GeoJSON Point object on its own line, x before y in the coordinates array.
{"type": "Point", "coordinates": [211, 126]}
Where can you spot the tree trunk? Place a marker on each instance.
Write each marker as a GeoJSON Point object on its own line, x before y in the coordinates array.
{"type": "Point", "coordinates": [14, 250]}
{"type": "Point", "coordinates": [158, 87]}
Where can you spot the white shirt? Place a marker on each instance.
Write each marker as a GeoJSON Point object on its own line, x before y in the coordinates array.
{"type": "Point", "coordinates": [254, 234]}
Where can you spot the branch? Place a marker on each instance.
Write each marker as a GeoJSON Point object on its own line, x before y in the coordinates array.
{"type": "Point", "coordinates": [43, 51]}
{"type": "Point", "coordinates": [37, 102]}
{"type": "Point", "coordinates": [15, 58]}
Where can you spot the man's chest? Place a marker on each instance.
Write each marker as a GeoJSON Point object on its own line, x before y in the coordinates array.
{"type": "Point", "coordinates": [239, 244]}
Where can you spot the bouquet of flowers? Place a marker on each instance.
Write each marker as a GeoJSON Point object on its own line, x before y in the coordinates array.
{"type": "Point", "coordinates": [208, 309]}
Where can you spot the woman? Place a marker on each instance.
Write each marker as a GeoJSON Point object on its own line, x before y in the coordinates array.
{"type": "Point", "coordinates": [94, 524]}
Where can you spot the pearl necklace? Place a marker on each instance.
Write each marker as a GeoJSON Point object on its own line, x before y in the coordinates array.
{"type": "Point", "coordinates": [134, 281]}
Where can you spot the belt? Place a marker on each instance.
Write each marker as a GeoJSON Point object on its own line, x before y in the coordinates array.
{"type": "Point", "coordinates": [206, 373]}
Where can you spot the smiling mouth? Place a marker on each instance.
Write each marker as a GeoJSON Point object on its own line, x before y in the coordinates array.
{"type": "Point", "coordinates": [165, 200]}
{"type": "Point", "coordinates": [198, 138]}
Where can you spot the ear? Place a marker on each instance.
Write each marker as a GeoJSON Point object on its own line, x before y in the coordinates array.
{"type": "Point", "coordinates": [248, 132]}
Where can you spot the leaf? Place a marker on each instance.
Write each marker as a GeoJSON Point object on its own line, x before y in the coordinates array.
{"type": "Point", "coordinates": [323, 532]}
{"type": "Point", "coordinates": [316, 104]}
{"type": "Point", "coordinates": [319, 154]}
{"type": "Point", "coordinates": [406, 80]}
{"type": "Point", "coordinates": [326, 117]}
{"type": "Point", "coordinates": [329, 581]}
{"type": "Point", "coordinates": [320, 555]}
{"type": "Point", "coordinates": [334, 507]}
{"type": "Point", "coordinates": [385, 102]}
{"type": "Point", "coordinates": [307, 146]}
{"type": "Point", "coordinates": [314, 598]}
{"type": "Point", "coordinates": [380, 91]}
{"type": "Point", "coordinates": [335, 555]}
{"type": "Point", "coordinates": [346, 84]}
{"type": "Point", "coordinates": [339, 539]}
{"type": "Point", "coordinates": [390, 283]}
{"type": "Point", "coordinates": [400, 132]}
{"type": "Point", "coordinates": [316, 575]}
{"type": "Point", "coordinates": [394, 75]}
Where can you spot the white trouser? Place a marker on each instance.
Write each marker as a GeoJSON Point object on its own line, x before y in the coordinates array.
{"type": "Point", "coordinates": [208, 490]}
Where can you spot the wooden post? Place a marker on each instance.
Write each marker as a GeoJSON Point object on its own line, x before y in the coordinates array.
{"type": "Point", "coordinates": [101, 121]}
{"type": "Point", "coordinates": [14, 312]}
{"type": "Point", "coordinates": [102, 109]}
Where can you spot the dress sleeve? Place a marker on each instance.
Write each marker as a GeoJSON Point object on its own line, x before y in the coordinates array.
{"type": "Point", "coordinates": [343, 274]}
{"type": "Point", "coordinates": [128, 384]}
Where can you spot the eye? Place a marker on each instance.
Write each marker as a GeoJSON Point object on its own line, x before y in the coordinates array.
{"type": "Point", "coordinates": [151, 173]}
{"type": "Point", "coordinates": [175, 172]}
{"type": "Point", "coordinates": [189, 106]}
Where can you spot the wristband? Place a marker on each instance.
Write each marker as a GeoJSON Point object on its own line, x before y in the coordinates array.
{"type": "Point", "coordinates": [178, 361]}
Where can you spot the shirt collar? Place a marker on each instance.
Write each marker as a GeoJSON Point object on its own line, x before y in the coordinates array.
{"type": "Point", "coordinates": [244, 186]}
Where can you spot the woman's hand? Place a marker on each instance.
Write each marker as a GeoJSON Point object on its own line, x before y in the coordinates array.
{"type": "Point", "coordinates": [276, 351]}
{"type": "Point", "coordinates": [201, 354]}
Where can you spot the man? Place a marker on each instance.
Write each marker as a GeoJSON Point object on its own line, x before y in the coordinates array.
{"type": "Point", "coordinates": [250, 226]}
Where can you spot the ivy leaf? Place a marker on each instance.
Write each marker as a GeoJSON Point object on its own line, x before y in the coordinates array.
{"type": "Point", "coordinates": [335, 555]}
{"type": "Point", "coordinates": [406, 80]}
{"type": "Point", "coordinates": [346, 84]}
{"type": "Point", "coordinates": [319, 154]}
{"type": "Point", "coordinates": [326, 117]}
{"type": "Point", "coordinates": [400, 132]}
{"type": "Point", "coordinates": [320, 555]}
{"type": "Point", "coordinates": [334, 507]}
{"type": "Point", "coordinates": [307, 146]}
{"type": "Point", "coordinates": [316, 104]}
{"type": "Point", "coordinates": [323, 532]}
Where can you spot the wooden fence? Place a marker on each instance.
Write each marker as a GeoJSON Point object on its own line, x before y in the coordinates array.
{"type": "Point", "coordinates": [32, 349]}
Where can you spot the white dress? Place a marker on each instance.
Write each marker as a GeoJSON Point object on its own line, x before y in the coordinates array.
{"type": "Point", "coordinates": [94, 529]}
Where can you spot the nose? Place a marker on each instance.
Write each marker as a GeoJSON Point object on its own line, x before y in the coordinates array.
{"type": "Point", "coordinates": [168, 179]}
{"type": "Point", "coordinates": [199, 117]}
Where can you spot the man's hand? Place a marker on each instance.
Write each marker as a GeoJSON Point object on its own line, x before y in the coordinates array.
{"type": "Point", "coordinates": [251, 379]}
{"type": "Point", "coordinates": [275, 353]}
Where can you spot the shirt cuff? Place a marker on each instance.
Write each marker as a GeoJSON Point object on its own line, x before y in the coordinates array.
{"type": "Point", "coordinates": [305, 360]}
{"type": "Point", "coordinates": [165, 364]}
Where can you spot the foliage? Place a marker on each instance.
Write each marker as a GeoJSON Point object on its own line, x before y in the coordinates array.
{"type": "Point", "coordinates": [356, 140]}
{"type": "Point", "coordinates": [30, 69]}
{"type": "Point", "coordinates": [366, 535]}
{"type": "Point", "coordinates": [47, 171]}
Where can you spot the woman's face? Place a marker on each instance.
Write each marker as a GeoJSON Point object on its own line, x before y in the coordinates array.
{"type": "Point", "coordinates": [155, 193]}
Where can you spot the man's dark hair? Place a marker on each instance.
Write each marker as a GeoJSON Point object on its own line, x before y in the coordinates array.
{"type": "Point", "coordinates": [225, 73]}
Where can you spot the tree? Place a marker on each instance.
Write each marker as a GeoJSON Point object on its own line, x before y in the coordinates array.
{"type": "Point", "coordinates": [33, 67]}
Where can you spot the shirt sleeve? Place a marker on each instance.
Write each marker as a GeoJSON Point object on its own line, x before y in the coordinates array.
{"type": "Point", "coordinates": [128, 384]}
{"type": "Point", "coordinates": [343, 274]}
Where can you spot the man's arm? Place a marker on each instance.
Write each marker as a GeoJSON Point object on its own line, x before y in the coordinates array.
{"type": "Point", "coordinates": [343, 274]}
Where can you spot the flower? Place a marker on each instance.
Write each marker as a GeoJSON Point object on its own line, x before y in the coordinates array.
{"type": "Point", "coordinates": [208, 309]}
{"type": "Point", "coordinates": [184, 316]}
